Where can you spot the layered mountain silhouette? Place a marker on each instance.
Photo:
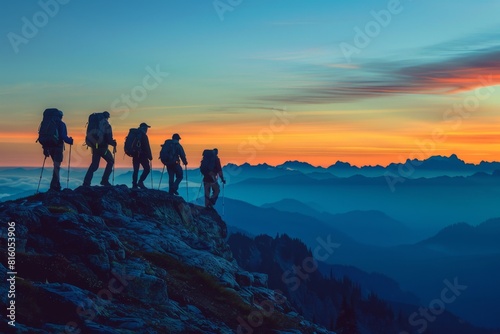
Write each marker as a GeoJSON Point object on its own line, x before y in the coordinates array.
{"type": "Point", "coordinates": [462, 238]}
{"type": "Point", "coordinates": [424, 205]}
{"type": "Point", "coordinates": [290, 267]}
{"type": "Point", "coordinates": [15, 181]}
{"type": "Point", "coordinates": [411, 168]}
{"type": "Point", "coordinates": [420, 267]}
{"type": "Point", "coordinates": [370, 227]}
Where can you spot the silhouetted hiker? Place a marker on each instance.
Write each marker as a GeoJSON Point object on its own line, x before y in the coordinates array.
{"type": "Point", "coordinates": [170, 155]}
{"type": "Point", "coordinates": [99, 136]}
{"type": "Point", "coordinates": [143, 156]}
{"type": "Point", "coordinates": [52, 135]}
{"type": "Point", "coordinates": [211, 169]}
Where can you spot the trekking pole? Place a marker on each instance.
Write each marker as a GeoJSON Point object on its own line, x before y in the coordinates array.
{"type": "Point", "coordinates": [114, 160]}
{"type": "Point", "coordinates": [187, 190]}
{"type": "Point", "coordinates": [40, 180]}
{"type": "Point", "coordinates": [69, 166]}
{"type": "Point", "coordinates": [161, 177]}
{"type": "Point", "coordinates": [199, 189]}
{"type": "Point", "coordinates": [223, 208]}
{"type": "Point", "coordinates": [151, 165]}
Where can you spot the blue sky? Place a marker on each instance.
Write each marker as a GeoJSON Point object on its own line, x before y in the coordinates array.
{"type": "Point", "coordinates": [230, 71]}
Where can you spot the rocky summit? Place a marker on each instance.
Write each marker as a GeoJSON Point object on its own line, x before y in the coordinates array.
{"type": "Point", "coordinates": [117, 260]}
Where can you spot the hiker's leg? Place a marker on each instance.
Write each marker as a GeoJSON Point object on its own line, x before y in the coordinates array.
{"type": "Point", "coordinates": [55, 183]}
{"type": "Point", "coordinates": [96, 157]}
{"type": "Point", "coordinates": [216, 192]}
{"type": "Point", "coordinates": [108, 157]}
{"type": "Point", "coordinates": [206, 187]}
{"type": "Point", "coordinates": [56, 154]}
{"type": "Point", "coordinates": [135, 164]}
{"type": "Point", "coordinates": [171, 174]}
{"type": "Point", "coordinates": [178, 176]}
{"type": "Point", "coordinates": [146, 168]}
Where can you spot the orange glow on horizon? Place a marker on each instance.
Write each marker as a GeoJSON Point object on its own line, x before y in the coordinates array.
{"type": "Point", "coordinates": [322, 150]}
{"type": "Point", "coordinates": [320, 138]}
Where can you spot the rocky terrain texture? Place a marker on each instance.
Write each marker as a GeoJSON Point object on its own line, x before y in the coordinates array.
{"type": "Point", "coordinates": [116, 260]}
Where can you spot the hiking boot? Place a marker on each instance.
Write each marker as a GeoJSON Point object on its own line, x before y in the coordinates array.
{"type": "Point", "coordinates": [134, 186]}
{"type": "Point", "coordinates": [105, 183]}
{"type": "Point", "coordinates": [141, 185]}
{"type": "Point", "coordinates": [86, 184]}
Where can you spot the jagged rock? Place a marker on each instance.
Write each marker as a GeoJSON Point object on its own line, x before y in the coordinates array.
{"type": "Point", "coordinates": [193, 309]}
{"type": "Point", "coordinates": [66, 294]}
{"type": "Point", "coordinates": [116, 260]}
{"type": "Point", "coordinates": [244, 278]}
{"type": "Point", "coordinates": [95, 328]}
{"type": "Point", "coordinates": [260, 279]}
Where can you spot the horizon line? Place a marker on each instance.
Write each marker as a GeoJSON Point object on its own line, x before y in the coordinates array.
{"type": "Point", "coordinates": [288, 161]}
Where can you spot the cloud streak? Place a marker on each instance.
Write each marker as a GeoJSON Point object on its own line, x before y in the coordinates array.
{"type": "Point", "coordinates": [466, 72]}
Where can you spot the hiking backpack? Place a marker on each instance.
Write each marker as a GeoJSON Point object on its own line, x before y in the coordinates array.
{"type": "Point", "coordinates": [133, 143]}
{"type": "Point", "coordinates": [208, 162]}
{"type": "Point", "coordinates": [48, 132]}
{"type": "Point", "coordinates": [168, 154]}
{"type": "Point", "coordinates": [96, 130]}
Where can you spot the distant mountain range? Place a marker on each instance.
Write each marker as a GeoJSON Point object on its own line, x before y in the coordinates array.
{"type": "Point", "coordinates": [411, 168]}
{"type": "Point", "coordinates": [423, 204]}
{"type": "Point", "coordinates": [469, 254]}
{"type": "Point", "coordinates": [15, 181]}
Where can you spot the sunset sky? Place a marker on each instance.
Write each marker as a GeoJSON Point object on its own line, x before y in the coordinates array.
{"type": "Point", "coordinates": [366, 82]}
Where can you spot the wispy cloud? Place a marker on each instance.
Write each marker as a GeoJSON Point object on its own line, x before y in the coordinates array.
{"type": "Point", "coordinates": [467, 70]}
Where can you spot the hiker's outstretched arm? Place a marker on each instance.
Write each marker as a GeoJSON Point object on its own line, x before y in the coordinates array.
{"type": "Point", "coordinates": [64, 133]}
{"type": "Point", "coordinates": [145, 143]}
{"type": "Point", "coordinates": [182, 154]}
{"type": "Point", "coordinates": [218, 169]}
{"type": "Point", "coordinates": [109, 136]}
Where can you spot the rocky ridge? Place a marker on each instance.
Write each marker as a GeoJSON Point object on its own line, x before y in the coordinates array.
{"type": "Point", "coordinates": [116, 260]}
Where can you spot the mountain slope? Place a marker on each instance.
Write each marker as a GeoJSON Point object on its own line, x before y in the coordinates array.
{"type": "Point", "coordinates": [257, 220]}
{"type": "Point", "coordinates": [116, 260]}
{"type": "Point", "coordinates": [370, 227]}
{"type": "Point", "coordinates": [292, 269]}
{"type": "Point", "coordinates": [418, 268]}
{"type": "Point", "coordinates": [464, 238]}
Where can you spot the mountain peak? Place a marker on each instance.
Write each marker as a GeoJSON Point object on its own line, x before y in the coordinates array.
{"type": "Point", "coordinates": [295, 164]}
{"type": "Point", "coordinates": [463, 237]}
{"type": "Point", "coordinates": [340, 164]}
{"type": "Point", "coordinates": [453, 157]}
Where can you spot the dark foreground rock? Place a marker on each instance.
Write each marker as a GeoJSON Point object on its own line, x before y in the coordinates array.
{"type": "Point", "coordinates": [116, 260]}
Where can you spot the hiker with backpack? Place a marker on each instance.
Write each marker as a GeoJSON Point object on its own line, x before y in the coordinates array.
{"type": "Point", "coordinates": [137, 146]}
{"type": "Point", "coordinates": [171, 155]}
{"type": "Point", "coordinates": [211, 169]}
{"type": "Point", "coordinates": [99, 136]}
{"type": "Point", "coordinates": [52, 135]}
